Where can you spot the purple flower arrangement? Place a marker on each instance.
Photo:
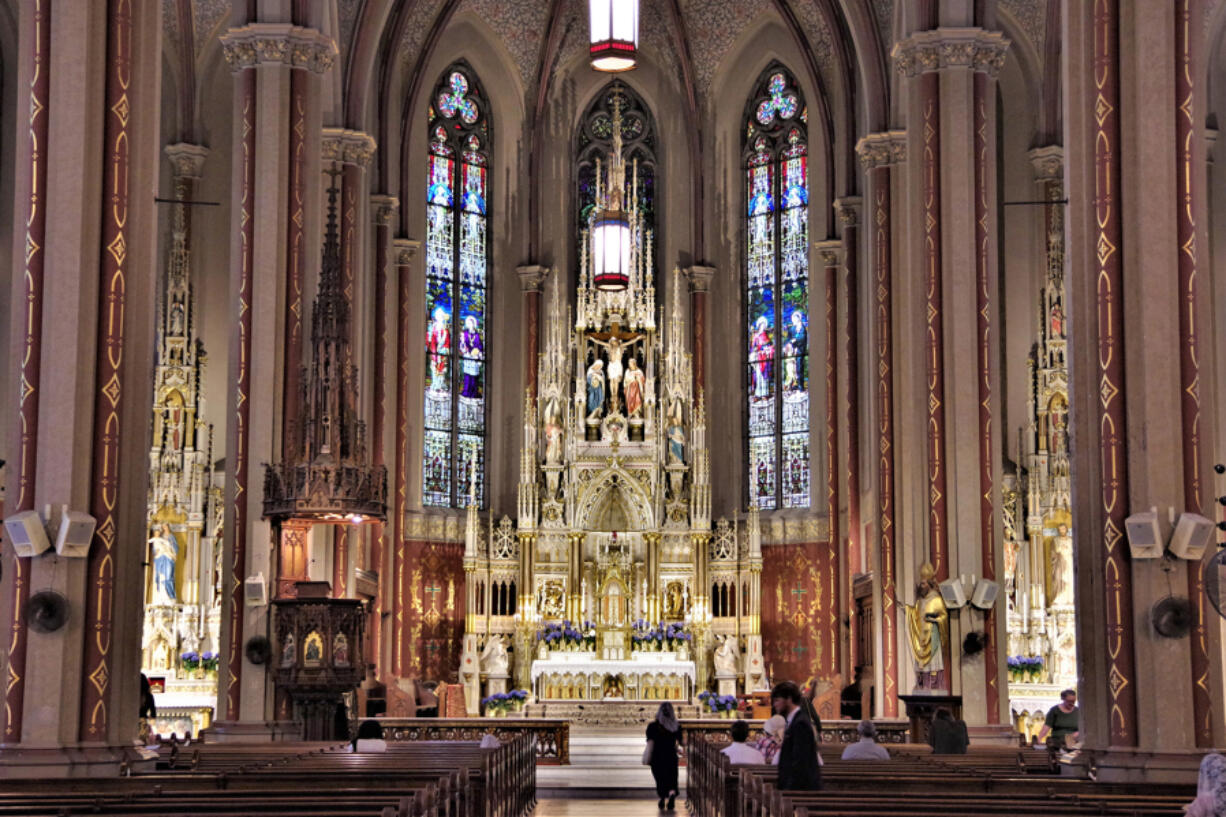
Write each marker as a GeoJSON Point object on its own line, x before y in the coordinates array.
{"type": "Point", "coordinates": [566, 636]}
{"type": "Point", "coordinates": [658, 637]}
{"type": "Point", "coordinates": [717, 703]}
{"type": "Point", "coordinates": [505, 701]}
{"type": "Point", "coordinates": [190, 661]}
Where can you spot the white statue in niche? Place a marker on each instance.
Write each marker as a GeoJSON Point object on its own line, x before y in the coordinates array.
{"type": "Point", "coordinates": [726, 656]}
{"type": "Point", "coordinates": [494, 659]}
{"type": "Point", "coordinates": [1062, 567]}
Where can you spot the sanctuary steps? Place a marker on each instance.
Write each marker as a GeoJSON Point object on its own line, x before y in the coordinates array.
{"type": "Point", "coordinates": [606, 713]}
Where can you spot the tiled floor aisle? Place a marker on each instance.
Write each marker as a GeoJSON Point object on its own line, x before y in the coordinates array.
{"type": "Point", "coordinates": [602, 808]}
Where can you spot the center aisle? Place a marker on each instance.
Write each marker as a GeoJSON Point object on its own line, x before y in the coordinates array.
{"type": "Point", "coordinates": [601, 808]}
{"type": "Point", "coordinates": [605, 762]}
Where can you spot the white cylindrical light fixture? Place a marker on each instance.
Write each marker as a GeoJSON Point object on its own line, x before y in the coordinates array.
{"type": "Point", "coordinates": [611, 251]}
{"type": "Point", "coordinates": [614, 26]}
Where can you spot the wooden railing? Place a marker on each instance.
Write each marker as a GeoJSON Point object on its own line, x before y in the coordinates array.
{"type": "Point", "coordinates": [840, 731]}
{"type": "Point", "coordinates": [552, 736]}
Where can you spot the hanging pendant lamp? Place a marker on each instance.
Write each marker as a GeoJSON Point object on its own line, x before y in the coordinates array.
{"type": "Point", "coordinates": [614, 28]}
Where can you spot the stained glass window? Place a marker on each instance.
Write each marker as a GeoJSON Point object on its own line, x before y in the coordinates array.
{"type": "Point", "coordinates": [777, 293]}
{"type": "Point", "coordinates": [457, 259]}
{"type": "Point", "coordinates": [595, 139]}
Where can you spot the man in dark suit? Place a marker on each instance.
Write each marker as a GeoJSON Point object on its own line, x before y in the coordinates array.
{"type": "Point", "coordinates": [798, 769]}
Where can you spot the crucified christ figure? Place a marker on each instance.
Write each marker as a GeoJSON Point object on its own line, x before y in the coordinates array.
{"type": "Point", "coordinates": [616, 347]}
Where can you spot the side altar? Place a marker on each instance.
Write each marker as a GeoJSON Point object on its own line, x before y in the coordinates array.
{"type": "Point", "coordinates": [611, 581]}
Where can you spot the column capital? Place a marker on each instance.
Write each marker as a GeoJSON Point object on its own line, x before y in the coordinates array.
{"type": "Point", "coordinates": [884, 148]}
{"type": "Point", "coordinates": [278, 44]}
{"type": "Point", "coordinates": [1048, 162]}
{"type": "Point", "coordinates": [941, 48]}
{"type": "Point", "coordinates": [531, 276]}
{"type": "Point", "coordinates": [384, 208]}
{"type": "Point", "coordinates": [847, 210]}
{"type": "Point", "coordinates": [405, 249]}
{"type": "Point", "coordinates": [830, 251]}
{"type": "Point", "coordinates": [348, 147]}
{"type": "Point", "coordinates": [700, 278]}
{"type": "Point", "coordinates": [185, 159]}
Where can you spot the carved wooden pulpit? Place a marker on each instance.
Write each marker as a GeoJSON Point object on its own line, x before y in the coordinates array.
{"type": "Point", "coordinates": [319, 657]}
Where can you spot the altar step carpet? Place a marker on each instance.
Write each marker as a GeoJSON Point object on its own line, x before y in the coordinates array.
{"type": "Point", "coordinates": [606, 713]}
{"type": "Point", "coordinates": [605, 762]}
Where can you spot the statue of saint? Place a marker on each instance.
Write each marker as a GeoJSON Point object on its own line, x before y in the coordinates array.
{"type": "Point", "coordinates": [636, 384]}
{"type": "Point", "coordinates": [494, 660]}
{"type": "Point", "coordinates": [726, 657]}
{"type": "Point", "coordinates": [165, 556]}
{"type": "Point", "coordinates": [1062, 566]}
{"type": "Point", "coordinates": [676, 434]}
{"type": "Point", "coordinates": [595, 389]}
{"type": "Point", "coordinates": [928, 630]}
{"type": "Point", "coordinates": [553, 433]}
{"type": "Point", "coordinates": [674, 606]}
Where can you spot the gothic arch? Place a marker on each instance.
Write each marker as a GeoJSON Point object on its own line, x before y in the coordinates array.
{"type": "Point", "coordinates": [612, 493]}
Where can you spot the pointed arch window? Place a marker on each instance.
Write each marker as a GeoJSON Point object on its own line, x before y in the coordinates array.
{"type": "Point", "coordinates": [595, 140]}
{"type": "Point", "coordinates": [777, 292]}
{"type": "Point", "coordinates": [457, 262]}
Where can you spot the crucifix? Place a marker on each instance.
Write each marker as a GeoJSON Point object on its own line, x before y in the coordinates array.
{"type": "Point", "coordinates": [616, 343]}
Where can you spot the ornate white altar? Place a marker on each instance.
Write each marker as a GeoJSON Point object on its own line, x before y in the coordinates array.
{"type": "Point", "coordinates": [643, 676]}
{"type": "Point", "coordinates": [613, 520]}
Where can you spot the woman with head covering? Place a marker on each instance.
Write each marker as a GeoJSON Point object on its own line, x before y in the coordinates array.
{"type": "Point", "coordinates": [1210, 788]}
{"type": "Point", "coordinates": [663, 737]}
{"type": "Point", "coordinates": [772, 738]}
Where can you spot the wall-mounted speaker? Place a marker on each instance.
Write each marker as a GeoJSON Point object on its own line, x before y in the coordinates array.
{"type": "Point", "coordinates": [76, 531]}
{"type": "Point", "coordinates": [1192, 536]}
{"type": "Point", "coordinates": [1144, 535]}
{"type": "Point", "coordinates": [985, 594]}
{"type": "Point", "coordinates": [954, 595]}
{"type": "Point", "coordinates": [27, 533]}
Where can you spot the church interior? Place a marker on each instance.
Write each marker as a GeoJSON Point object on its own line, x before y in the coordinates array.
{"type": "Point", "coordinates": [438, 361]}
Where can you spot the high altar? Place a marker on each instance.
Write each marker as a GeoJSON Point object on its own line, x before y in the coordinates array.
{"type": "Point", "coordinates": [613, 536]}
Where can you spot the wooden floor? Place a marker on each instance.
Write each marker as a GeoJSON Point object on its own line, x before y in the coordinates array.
{"type": "Point", "coordinates": [602, 808]}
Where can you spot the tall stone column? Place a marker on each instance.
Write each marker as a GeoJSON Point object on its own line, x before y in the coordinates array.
{"type": "Point", "coordinates": [1135, 321]}
{"type": "Point", "coordinates": [70, 705]}
{"type": "Point", "coordinates": [951, 72]}
{"type": "Point", "coordinates": [700, 284]}
{"type": "Point", "coordinates": [383, 211]}
{"type": "Point", "coordinates": [848, 211]}
{"type": "Point", "coordinates": [269, 234]}
{"type": "Point", "coordinates": [31, 169]}
{"type": "Point", "coordinates": [1190, 197]}
{"type": "Point", "coordinates": [531, 277]}
{"type": "Point", "coordinates": [831, 256]}
{"type": "Point", "coordinates": [878, 153]}
{"type": "Point", "coordinates": [396, 583]}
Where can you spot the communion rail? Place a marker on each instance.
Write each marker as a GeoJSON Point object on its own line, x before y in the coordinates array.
{"type": "Point", "coordinates": [552, 735]}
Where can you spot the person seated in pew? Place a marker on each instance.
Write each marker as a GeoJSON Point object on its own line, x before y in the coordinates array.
{"type": "Point", "coordinates": [1210, 788]}
{"type": "Point", "coordinates": [369, 738]}
{"type": "Point", "coordinates": [948, 736]}
{"type": "Point", "coordinates": [739, 751]}
{"type": "Point", "coordinates": [867, 748]}
{"type": "Point", "coordinates": [772, 739]}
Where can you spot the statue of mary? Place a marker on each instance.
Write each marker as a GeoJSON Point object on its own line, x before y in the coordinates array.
{"type": "Point", "coordinates": [165, 554]}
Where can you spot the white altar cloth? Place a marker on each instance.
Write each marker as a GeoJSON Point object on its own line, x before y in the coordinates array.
{"type": "Point", "coordinates": [586, 663]}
